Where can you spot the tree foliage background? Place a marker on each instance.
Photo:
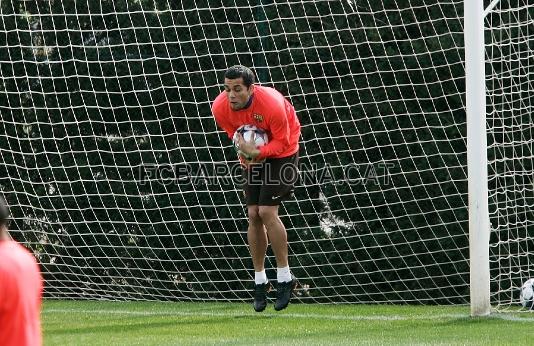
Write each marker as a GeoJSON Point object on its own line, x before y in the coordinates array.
{"type": "Point", "coordinates": [98, 98]}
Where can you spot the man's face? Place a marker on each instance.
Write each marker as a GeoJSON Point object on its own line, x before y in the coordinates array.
{"type": "Point", "coordinates": [238, 93]}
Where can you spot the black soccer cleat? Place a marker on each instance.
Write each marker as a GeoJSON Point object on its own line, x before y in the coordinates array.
{"type": "Point", "coordinates": [283, 293]}
{"type": "Point", "coordinates": [260, 296]}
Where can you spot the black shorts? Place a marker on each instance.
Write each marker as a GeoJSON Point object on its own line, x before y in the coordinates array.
{"type": "Point", "coordinates": [272, 181]}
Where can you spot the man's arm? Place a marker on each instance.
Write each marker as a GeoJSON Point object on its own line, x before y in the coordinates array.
{"type": "Point", "coordinates": [227, 127]}
{"type": "Point", "coordinates": [279, 141]}
{"type": "Point", "coordinates": [280, 136]}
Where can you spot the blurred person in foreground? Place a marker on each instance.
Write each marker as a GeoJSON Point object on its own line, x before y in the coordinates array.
{"type": "Point", "coordinates": [21, 287]}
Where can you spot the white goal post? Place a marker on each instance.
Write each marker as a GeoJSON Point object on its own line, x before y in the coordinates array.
{"type": "Point", "coordinates": [477, 158]}
{"type": "Point", "coordinates": [416, 150]}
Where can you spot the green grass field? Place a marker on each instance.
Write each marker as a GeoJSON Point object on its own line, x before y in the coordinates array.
{"type": "Point", "coordinates": [159, 323]}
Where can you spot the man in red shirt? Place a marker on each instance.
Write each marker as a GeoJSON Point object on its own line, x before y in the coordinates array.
{"type": "Point", "coordinates": [270, 175]}
{"type": "Point", "coordinates": [21, 289]}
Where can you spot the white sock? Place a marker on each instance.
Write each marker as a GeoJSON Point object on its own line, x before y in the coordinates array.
{"type": "Point", "coordinates": [283, 274]}
{"type": "Point", "coordinates": [260, 277]}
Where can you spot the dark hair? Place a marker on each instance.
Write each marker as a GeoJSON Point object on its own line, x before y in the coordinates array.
{"type": "Point", "coordinates": [4, 213]}
{"type": "Point", "coordinates": [240, 71]}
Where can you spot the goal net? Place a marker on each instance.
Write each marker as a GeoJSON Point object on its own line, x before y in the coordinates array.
{"type": "Point", "coordinates": [510, 87]}
{"type": "Point", "coordinates": [123, 186]}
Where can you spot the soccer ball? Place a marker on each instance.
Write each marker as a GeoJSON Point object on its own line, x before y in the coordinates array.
{"type": "Point", "coordinates": [250, 132]}
{"type": "Point", "coordinates": [526, 296]}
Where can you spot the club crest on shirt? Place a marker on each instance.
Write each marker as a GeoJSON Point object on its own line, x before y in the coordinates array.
{"type": "Point", "coordinates": [257, 117]}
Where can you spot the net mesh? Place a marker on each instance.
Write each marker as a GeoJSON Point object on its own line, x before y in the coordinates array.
{"type": "Point", "coordinates": [121, 183]}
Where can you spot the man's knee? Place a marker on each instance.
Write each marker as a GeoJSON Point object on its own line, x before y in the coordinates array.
{"type": "Point", "coordinates": [268, 213]}
{"type": "Point", "coordinates": [254, 214]}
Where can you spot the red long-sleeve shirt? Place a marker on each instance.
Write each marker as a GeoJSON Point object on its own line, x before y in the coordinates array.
{"type": "Point", "coordinates": [21, 289]}
{"type": "Point", "coordinates": [269, 111]}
